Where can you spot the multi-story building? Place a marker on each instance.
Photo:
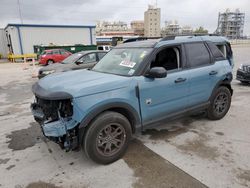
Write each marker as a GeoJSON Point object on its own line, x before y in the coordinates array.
{"type": "Point", "coordinates": [186, 30]}
{"type": "Point", "coordinates": [231, 24]}
{"type": "Point", "coordinates": [138, 27]}
{"type": "Point", "coordinates": [171, 28]}
{"type": "Point", "coordinates": [152, 20]}
{"type": "Point", "coordinates": [113, 29]}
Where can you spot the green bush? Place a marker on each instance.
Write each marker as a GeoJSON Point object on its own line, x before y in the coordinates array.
{"type": "Point", "coordinates": [0, 56]}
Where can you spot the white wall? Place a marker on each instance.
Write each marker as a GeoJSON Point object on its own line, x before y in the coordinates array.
{"type": "Point", "coordinates": [13, 32]}
{"type": "Point", "coordinates": [31, 36]}
{"type": "Point", "coordinates": [3, 43]}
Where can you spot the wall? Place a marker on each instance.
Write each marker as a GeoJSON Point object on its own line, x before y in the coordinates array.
{"type": "Point", "coordinates": [37, 35]}
{"type": "Point", "coordinates": [3, 43]}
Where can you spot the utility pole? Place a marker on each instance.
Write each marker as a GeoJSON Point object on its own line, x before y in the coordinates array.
{"type": "Point", "coordinates": [19, 9]}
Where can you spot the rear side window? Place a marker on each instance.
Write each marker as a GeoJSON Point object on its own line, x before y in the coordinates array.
{"type": "Point", "coordinates": [56, 52]}
{"type": "Point", "coordinates": [229, 50]}
{"type": "Point", "coordinates": [217, 54]}
{"type": "Point", "coordinates": [197, 54]}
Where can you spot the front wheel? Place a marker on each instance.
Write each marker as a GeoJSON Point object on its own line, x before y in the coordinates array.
{"type": "Point", "coordinates": [219, 104]}
{"type": "Point", "coordinates": [107, 137]}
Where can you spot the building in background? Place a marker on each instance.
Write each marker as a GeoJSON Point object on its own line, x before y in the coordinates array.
{"type": "Point", "coordinates": [119, 28]}
{"type": "Point", "coordinates": [152, 20]}
{"type": "Point", "coordinates": [186, 30]}
{"type": "Point", "coordinates": [137, 27]}
{"type": "Point", "coordinates": [231, 24]}
{"type": "Point", "coordinates": [171, 28]}
{"type": "Point", "coordinates": [3, 43]}
{"type": "Point", "coordinates": [21, 38]}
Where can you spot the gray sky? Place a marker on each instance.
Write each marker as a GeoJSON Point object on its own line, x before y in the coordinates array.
{"type": "Point", "coordinates": [188, 12]}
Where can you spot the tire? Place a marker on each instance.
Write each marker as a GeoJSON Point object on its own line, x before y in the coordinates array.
{"type": "Point", "coordinates": [50, 61]}
{"type": "Point", "coordinates": [219, 104]}
{"type": "Point", "coordinates": [107, 137]}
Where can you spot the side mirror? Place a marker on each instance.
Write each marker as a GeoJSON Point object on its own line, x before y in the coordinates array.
{"type": "Point", "coordinates": [79, 62]}
{"type": "Point", "coordinates": [157, 72]}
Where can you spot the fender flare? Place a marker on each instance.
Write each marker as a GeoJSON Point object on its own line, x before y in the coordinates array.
{"type": "Point", "coordinates": [226, 82]}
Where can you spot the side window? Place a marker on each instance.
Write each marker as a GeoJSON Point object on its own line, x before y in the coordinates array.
{"type": "Point", "coordinates": [169, 58]}
{"type": "Point", "coordinates": [100, 48]}
{"type": "Point", "coordinates": [63, 52]}
{"type": "Point", "coordinates": [197, 54]}
{"type": "Point", "coordinates": [229, 51]}
{"type": "Point", "coordinates": [56, 52]}
{"type": "Point", "coordinates": [89, 58]}
{"type": "Point", "coordinates": [49, 53]}
{"type": "Point", "coordinates": [222, 48]}
{"type": "Point", "coordinates": [217, 54]}
{"type": "Point", "coordinates": [101, 55]}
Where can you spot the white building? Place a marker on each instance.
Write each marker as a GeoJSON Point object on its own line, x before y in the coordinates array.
{"type": "Point", "coordinates": [21, 38]}
{"type": "Point", "coordinates": [152, 20]}
{"type": "Point", "coordinates": [3, 43]}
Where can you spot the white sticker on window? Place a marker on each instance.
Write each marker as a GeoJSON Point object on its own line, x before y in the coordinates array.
{"type": "Point", "coordinates": [131, 72]}
{"type": "Point", "coordinates": [127, 63]}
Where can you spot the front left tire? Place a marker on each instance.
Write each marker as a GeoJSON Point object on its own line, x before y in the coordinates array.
{"type": "Point", "coordinates": [107, 137]}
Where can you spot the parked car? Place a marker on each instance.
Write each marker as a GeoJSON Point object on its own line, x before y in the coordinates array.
{"type": "Point", "coordinates": [243, 73]}
{"type": "Point", "coordinates": [135, 86]}
{"type": "Point", "coordinates": [48, 57]}
{"type": "Point", "coordinates": [104, 48]}
{"type": "Point", "coordinates": [80, 60]}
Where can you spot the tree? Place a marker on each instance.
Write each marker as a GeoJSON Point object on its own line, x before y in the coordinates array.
{"type": "Point", "coordinates": [201, 30]}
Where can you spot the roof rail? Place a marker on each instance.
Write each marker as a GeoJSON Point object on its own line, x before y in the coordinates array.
{"type": "Point", "coordinates": [170, 37]}
{"type": "Point", "coordinates": [140, 39]}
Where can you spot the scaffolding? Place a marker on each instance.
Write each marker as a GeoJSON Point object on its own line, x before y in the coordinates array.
{"type": "Point", "coordinates": [231, 24]}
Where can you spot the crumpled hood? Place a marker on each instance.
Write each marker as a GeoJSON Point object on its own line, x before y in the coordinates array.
{"type": "Point", "coordinates": [80, 83]}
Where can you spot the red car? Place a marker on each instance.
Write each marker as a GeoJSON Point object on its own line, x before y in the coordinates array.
{"type": "Point", "coordinates": [53, 56]}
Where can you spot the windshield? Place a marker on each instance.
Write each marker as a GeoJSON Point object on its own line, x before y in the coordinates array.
{"type": "Point", "coordinates": [72, 58]}
{"type": "Point", "coordinates": [122, 61]}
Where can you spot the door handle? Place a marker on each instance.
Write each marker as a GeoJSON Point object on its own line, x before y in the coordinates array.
{"type": "Point", "coordinates": [213, 73]}
{"type": "Point", "coordinates": [180, 80]}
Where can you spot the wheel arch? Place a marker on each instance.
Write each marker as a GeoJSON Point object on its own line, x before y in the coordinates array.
{"type": "Point", "coordinates": [123, 108]}
{"type": "Point", "coordinates": [226, 82]}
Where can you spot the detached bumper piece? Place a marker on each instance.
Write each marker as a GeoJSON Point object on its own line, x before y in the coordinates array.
{"type": "Point", "coordinates": [55, 119]}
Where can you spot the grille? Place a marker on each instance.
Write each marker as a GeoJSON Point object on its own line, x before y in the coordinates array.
{"type": "Point", "coordinates": [246, 68]}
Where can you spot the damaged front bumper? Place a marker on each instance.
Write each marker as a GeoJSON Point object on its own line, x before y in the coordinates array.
{"type": "Point", "coordinates": [62, 130]}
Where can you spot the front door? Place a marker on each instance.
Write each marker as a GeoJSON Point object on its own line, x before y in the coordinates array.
{"type": "Point", "coordinates": [163, 97]}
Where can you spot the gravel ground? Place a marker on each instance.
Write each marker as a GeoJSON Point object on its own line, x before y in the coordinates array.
{"type": "Point", "coordinates": [190, 152]}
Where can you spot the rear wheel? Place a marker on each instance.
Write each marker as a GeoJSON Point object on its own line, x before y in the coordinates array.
{"type": "Point", "coordinates": [107, 137]}
{"type": "Point", "coordinates": [219, 104]}
{"type": "Point", "coordinates": [50, 61]}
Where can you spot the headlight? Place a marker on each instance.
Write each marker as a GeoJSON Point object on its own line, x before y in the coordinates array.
{"type": "Point", "coordinates": [48, 72]}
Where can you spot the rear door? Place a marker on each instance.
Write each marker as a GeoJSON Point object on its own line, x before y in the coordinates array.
{"type": "Point", "coordinates": [57, 57]}
{"type": "Point", "coordinates": [201, 71]}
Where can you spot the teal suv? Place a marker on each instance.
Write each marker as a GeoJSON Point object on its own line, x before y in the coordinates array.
{"type": "Point", "coordinates": [135, 86]}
